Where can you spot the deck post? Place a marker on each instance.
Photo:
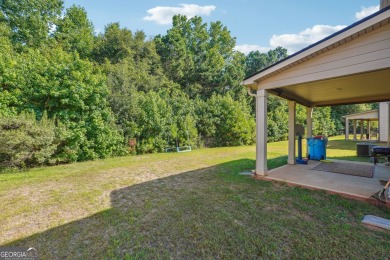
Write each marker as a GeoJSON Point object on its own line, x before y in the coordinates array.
{"type": "Point", "coordinates": [291, 132]}
{"type": "Point", "coordinates": [361, 129]}
{"type": "Point", "coordinates": [369, 129]}
{"type": "Point", "coordinates": [346, 129]}
{"type": "Point", "coordinates": [388, 123]}
{"type": "Point", "coordinates": [261, 132]}
{"type": "Point", "coordinates": [354, 129]}
{"type": "Point", "coordinates": [309, 121]}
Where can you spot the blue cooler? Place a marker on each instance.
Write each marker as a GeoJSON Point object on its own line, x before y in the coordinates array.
{"type": "Point", "coordinates": [316, 147]}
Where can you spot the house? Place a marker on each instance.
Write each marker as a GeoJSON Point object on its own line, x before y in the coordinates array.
{"type": "Point", "coordinates": [361, 118]}
{"type": "Point", "coordinates": [364, 119]}
{"type": "Point", "coordinates": [350, 66]}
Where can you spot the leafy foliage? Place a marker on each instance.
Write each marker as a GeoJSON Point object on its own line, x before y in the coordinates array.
{"type": "Point", "coordinates": [30, 20]}
{"type": "Point", "coordinates": [198, 57]}
{"type": "Point", "coordinates": [114, 45]}
{"type": "Point", "coordinates": [226, 121]}
{"type": "Point", "coordinates": [25, 141]}
{"type": "Point", "coordinates": [322, 122]}
{"type": "Point", "coordinates": [75, 32]}
{"type": "Point", "coordinates": [94, 94]}
{"type": "Point", "coordinates": [256, 61]}
{"type": "Point", "coordinates": [71, 90]}
{"type": "Point", "coordinates": [277, 124]}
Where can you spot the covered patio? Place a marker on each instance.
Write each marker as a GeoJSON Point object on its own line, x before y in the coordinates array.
{"type": "Point", "coordinates": [349, 186]}
{"type": "Point", "coordinates": [348, 67]}
{"type": "Point", "coordinates": [367, 116]}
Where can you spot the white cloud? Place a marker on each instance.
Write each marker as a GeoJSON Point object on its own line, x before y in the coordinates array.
{"type": "Point", "coordinates": [164, 14]}
{"type": "Point", "coordinates": [366, 11]}
{"type": "Point", "coordinates": [247, 48]}
{"type": "Point", "coordinates": [295, 42]}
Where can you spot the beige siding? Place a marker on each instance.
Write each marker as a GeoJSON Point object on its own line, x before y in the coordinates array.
{"type": "Point", "coordinates": [383, 121]}
{"type": "Point", "coordinates": [371, 115]}
{"type": "Point", "coordinates": [384, 4]}
{"type": "Point", "coordinates": [367, 53]}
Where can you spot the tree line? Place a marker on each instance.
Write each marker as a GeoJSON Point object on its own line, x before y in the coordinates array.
{"type": "Point", "coordinates": [70, 95]}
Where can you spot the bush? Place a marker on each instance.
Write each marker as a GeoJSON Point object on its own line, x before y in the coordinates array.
{"type": "Point", "coordinates": [69, 89]}
{"type": "Point", "coordinates": [228, 121]}
{"type": "Point", "coordinates": [25, 141]}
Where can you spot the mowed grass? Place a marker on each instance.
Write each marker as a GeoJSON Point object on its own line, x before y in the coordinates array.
{"type": "Point", "coordinates": [183, 205]}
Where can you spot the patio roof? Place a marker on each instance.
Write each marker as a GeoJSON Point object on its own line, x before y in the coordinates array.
{"type": "Point", "coordinates": [371, 115]}
{"type": "Point", "coordinates": [350, 66]}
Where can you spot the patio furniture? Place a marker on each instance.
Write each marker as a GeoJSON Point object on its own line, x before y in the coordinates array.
{"type": "Point", "coordinates": [380, 150]}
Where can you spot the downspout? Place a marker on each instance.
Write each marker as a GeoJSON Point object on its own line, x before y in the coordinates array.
{"type": "Point", "coordinates": [250, 92]}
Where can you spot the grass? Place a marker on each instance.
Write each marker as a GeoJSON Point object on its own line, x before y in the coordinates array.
{"type": "Point", "coordinates": [183, 205]}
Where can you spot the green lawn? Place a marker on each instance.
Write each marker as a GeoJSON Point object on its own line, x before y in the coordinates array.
{"type": "Point", "coordinates": [183, 205]}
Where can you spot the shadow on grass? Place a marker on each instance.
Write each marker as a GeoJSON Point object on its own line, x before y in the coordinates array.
{"type": "Point", "coordinates": [216, 213]}
{"type": "Point", "coordinates": [276, 162]}
{"type": "Point", "coordinates": [134, 209]}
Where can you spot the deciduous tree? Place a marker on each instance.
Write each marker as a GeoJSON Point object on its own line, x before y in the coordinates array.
{"type": "Point", "coordinates": [75, 32]}
{"type": "Point", "coordinates": [30, 20]}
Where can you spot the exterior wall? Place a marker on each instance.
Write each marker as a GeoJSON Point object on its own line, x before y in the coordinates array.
{"type": "Point", "coordinates": [372, 115]}
{"type": "Point", "coordinates": [384, 3]}
{"type": "Point", "coordinates": [383, 121]}
{"type": "Point", "coordinates": [366, 53]}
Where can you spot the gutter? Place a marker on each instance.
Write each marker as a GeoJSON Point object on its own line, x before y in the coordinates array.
{"type": "Point", "coordinates": [250, 93]}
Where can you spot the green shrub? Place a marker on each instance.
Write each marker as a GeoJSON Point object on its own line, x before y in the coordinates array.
{"type": "Point", "coordinates": [227, 121]}
{"type": "Point", "coordinates": [25, 141]}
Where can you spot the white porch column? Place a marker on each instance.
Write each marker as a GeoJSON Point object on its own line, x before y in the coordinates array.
{"type": "Point", "coordinates": [388, 124]}
{"type": "Point", "coordinates": [309, 121]}
{"type": "Point", "coordinates": [291, 132]}
{"type": "Point", "coordinates": [361, 129]}
{"type": "Point", "coordinates": [346, 129]}
{"type": "Point", "coordinates": [369, 129]}
{"type": "Point", "coordinates": [354, 129]}
{"type": "Point", "coordinates": [261, 132]}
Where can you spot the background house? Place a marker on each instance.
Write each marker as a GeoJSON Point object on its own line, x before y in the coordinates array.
{"type": "Point", "coordinates": [364, 120]}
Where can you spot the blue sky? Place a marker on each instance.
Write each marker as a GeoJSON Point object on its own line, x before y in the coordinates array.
{"type": "Point", "coordinates": [256, 24]}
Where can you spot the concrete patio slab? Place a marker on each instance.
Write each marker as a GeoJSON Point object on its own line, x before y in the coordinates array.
{"type": "Point", "coordinates": [355, 187]}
